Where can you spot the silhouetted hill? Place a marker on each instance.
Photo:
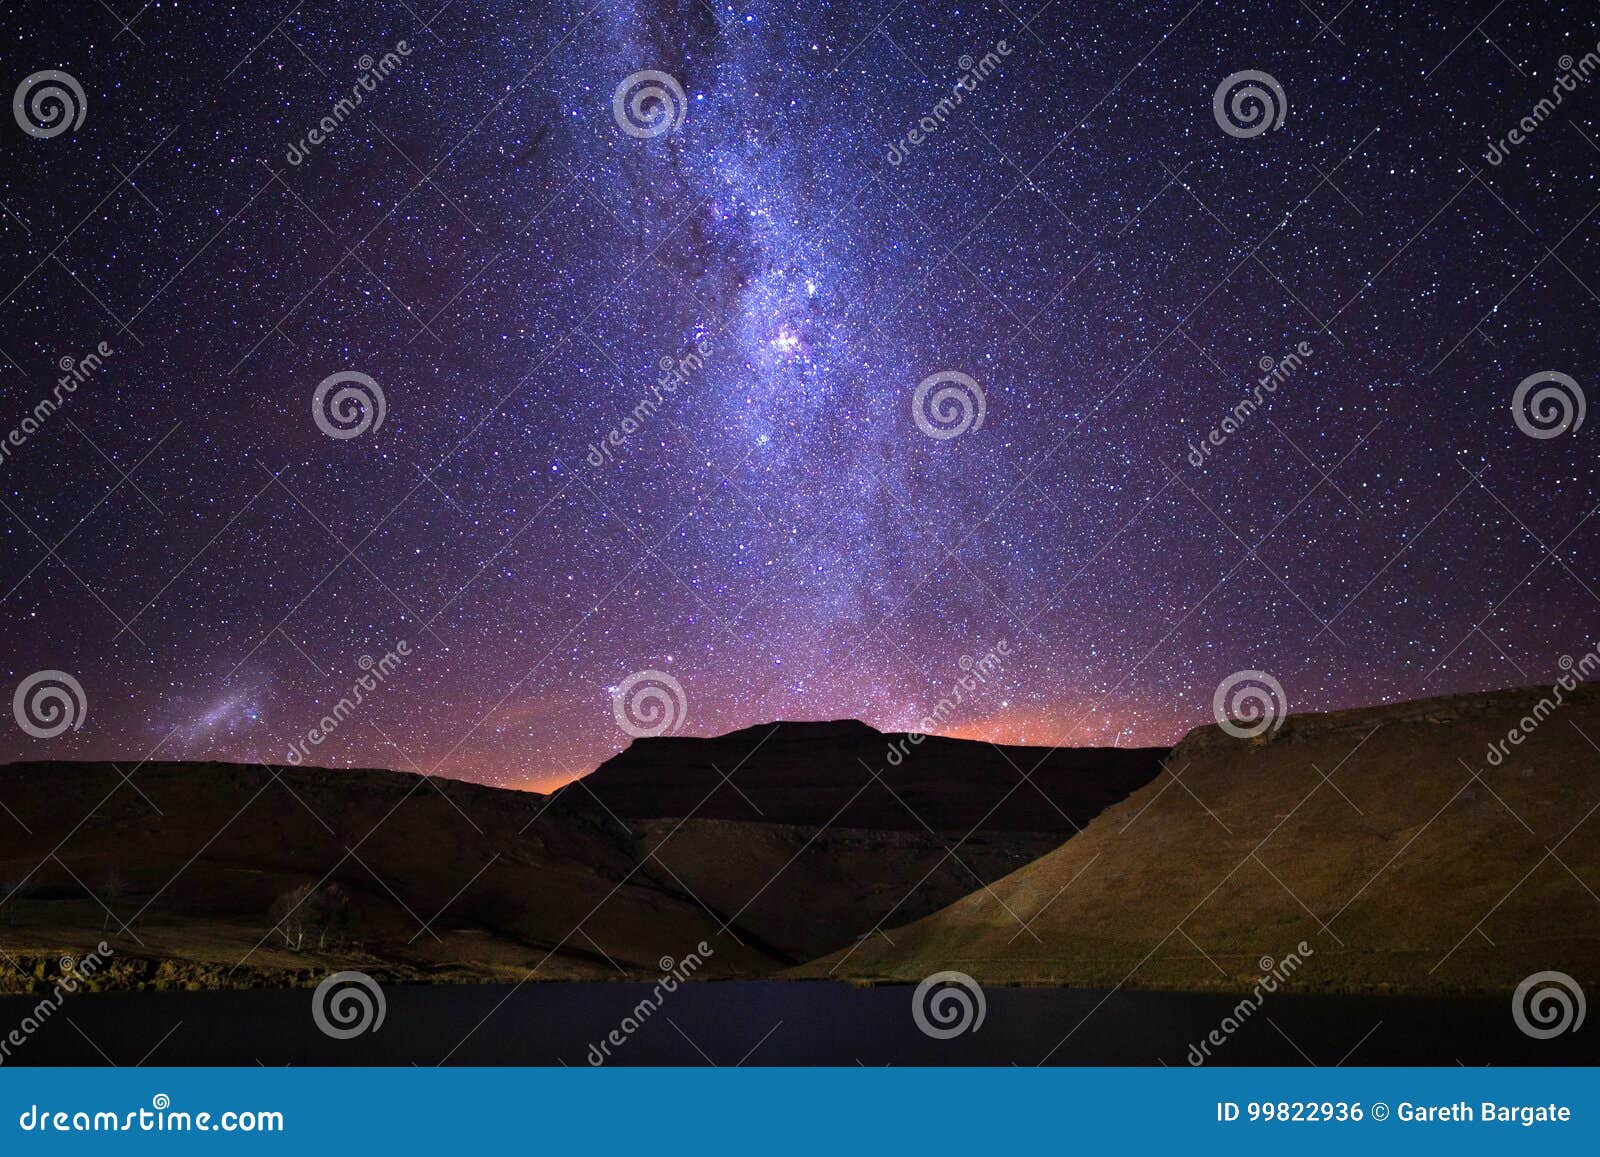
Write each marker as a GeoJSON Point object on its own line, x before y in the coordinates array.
{"type": "Point", "coordinates": [189, 867]}
{"type": "Point", "coordinates": [185, 868]}
{"type": "Point", "coordinates": [813, 835]}
{"type": "Point", "coordinates": [849, 775]}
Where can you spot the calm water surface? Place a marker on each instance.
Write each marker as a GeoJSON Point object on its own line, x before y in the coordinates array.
{"type": "Point", "coordinates": [775, 1023]}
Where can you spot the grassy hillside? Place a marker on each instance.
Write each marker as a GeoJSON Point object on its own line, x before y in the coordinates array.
{"type": "Point", "coordinates": [804, 891]}
{"type": "Point", "coordinates": [188, 869]}
{"type": "Point", "coordinates": [1366, 834]}
{"type": "Point", "coordinates": [184, 871]}
{"type": "Point", "coordinates": [812, 835]}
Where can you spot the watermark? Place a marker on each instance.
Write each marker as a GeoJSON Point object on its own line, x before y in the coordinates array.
{"type": "Point", "coordinates": [973, 74]}
{"type": "Point", "coordinates": [348, 404]}
{"type": "Point", "coordinates": [1573, 74]}
{"type": "Point", "coordinates": [674, 373]}
{"type": "Point", "coordinates": [1249, 704]}
{"type": "Point", "coordinates": [373, 72]}
{"type": "Point", "coordinates": [649, 703]}
{"type": "Point", "coordinates": [947, 1004]}
{"type": "Point", "coordinates": [159, 1118]}
{"type": "Point", "coordinates": [648, 103]}
{"type": "Point", "coordinates": [1273, 973]}
{"type": "Point", "coordinates": [1548, 404]}
{"type": "Point", "coordinates": [1548, 1004]}
{"type": "Point", "coordinates": [347, 1005]}
{"type": "Point", "coordinates": [948, 404]}
{"type": "Point", "coordinates": [74, 975]}
{"type": "Point", "coordinates": [1577, 672]}
{"type": "Point", "coordinates": [1274, 372]}
{"type": "Point", "coordinates": [47, 703]}
{"type": "Point", "coordinates": [1249, 103]}
{"type": "Point", "coordinates": [49, 103]}
{"type": "Point", "coordinates": [673, 973]}
{"type": "Point", "coordinates": [376, 673]}
{"type": "Point", "coordinates": [975, 673]}
{"type": "Point", "coordinates": [74, 372]}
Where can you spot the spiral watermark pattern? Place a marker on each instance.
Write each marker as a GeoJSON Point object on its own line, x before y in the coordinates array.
{"type": "Point", "coordinates": [1248, 103]}
{"type": "Point", "coordinates": [948, 1004]}
{"type": "Point", "coordinates": [49, 103]}
{"type": "Point", "coordinates": [649, 703]}
{"type": "Point", "coordinates": [348, 1004]}
{"type": "Point", "coordinates": [649, 103]}
{"type": "Point", "coordinates": [48, 703]}
{"type": "Point", "coordinates": [1248, 704]}
{"type": "Point", "coordinates": [948, 404]}
{"type": "Point", "coordinates": [1548, 404]}
{"type": "Point", "coordinates": [356, 406]}
{"type": "Point", "coordinates": [1548, 1004]}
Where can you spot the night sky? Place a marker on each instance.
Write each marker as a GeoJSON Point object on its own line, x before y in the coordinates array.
{"type": "Point", "coordinates": [1079, 236]}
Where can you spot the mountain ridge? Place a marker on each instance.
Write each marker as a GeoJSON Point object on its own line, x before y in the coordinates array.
{"type": "Point", "coordinates": [848, 773]}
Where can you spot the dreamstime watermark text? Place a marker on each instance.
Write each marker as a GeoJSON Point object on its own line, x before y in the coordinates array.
{"type": "Point", "coordinates": [75, 974]}
{"type": "Point", "coordinates": [74, 372]}
{"type": "Point", "coordinates": [1273, 974]}
{"type": "Point", "coordinates": [373, 73]}
{"type": "Point", "coordinates": [675, 372]}
{"type": "Point", "coordinates": [973, 74]}
{"type": "Point", "coordinates": [1573, 74]}
{"type": "Point", "coordinates": [673, 974]}
{"type": "Point", "coordinates": [1274, 373]}
{"type": "Point", "coordinates": [975, 673]}
{"type": "Point", "coordinates": [376, 672]}
{"type": "Point", "coordinates": [1577, 671]}
{"type": "Point", "coordinates": [160, 1117]}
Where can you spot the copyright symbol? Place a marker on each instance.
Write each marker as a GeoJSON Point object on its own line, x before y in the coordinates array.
{"type": "Point", "coordinates": [1380, 1112]}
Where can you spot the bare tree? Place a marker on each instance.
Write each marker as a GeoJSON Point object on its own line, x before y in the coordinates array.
{"type": "Point", "coordinates": [12, 893]}
{"type": "Point", "coordinates": [320, 912]}
{"type": "Point", "coordinates": [110, 891]}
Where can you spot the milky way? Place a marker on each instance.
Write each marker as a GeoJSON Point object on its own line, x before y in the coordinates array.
{"type": "Point", "coordinates": [826, 206]}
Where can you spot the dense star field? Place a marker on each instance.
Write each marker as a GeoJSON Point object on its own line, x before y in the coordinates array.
{"type": "Point", "coordinates": [511, 230]}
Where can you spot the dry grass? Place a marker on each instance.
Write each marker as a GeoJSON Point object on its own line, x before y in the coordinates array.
{"type": "Point", "coordinates": [455, 881]}
{"type": "Point", "coordinates": [1405, 873]}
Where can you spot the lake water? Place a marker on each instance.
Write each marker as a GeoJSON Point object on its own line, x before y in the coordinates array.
{"type": "Point", "coordinates": [775, 1023]}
